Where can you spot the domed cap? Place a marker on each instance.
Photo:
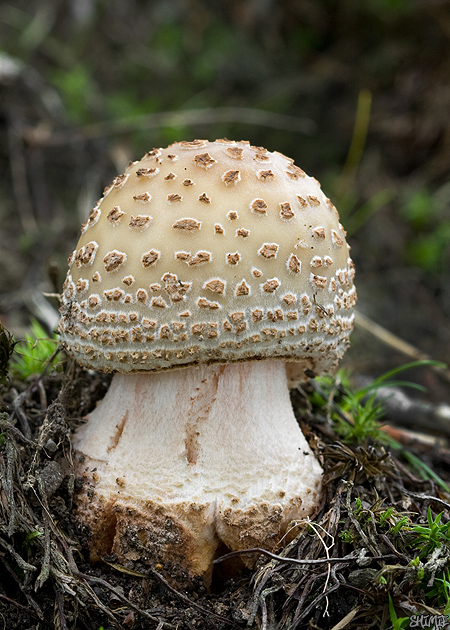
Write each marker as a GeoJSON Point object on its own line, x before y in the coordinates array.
{"type": "Point", "coordinates": [209, 252]}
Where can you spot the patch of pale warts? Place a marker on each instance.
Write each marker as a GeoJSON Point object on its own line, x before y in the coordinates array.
{"type": "Point", "coordinates": [316, 261]}
{"type": "Point", "coordinates": [128, 280]}
{"type": "Point", "coordinates": [158, 302]}
{"type": "Point", "coordinates": [117, 182]}
{"type": "Point", "coordinates": [204, 198]}
{"type": "Point", "coordinates": [169, 177]}
{"type": "Point", "coordinates": [313, 325]}
{"type": "Point", "coordinates": [232, 215]}
{"type": "Point", "coordinates": [260, 154]}
{"type": "Point", "coordinates": [142, 296]}
{"type": "Point", "coordinates": [169, 277]}
{"type": "Point", "coordinates": [303, 203]}
{"type": "Point", "coordinates": [82, 285]}
{"type": "Point", "coordinates": [184, 256]}
{"type": "Point", "coordinates": [198, 329]}
{"type": "Point", "coordinates": [352, 268]}
{"type": "Point", "coordinates": [86, 254]}
{"type": "Point", "coordinates": [204, 160]}
{"type": "Point", "coordinates": [327, 261]}
{"type": "Point", "coordinates": [265, 175]}
{"type": "Point", "coordinates": [204, 303]}
{"type": "Point", "coordinates": [187, 224]}
{"type": "Point", "coordinates": [172, 157]}
{"type": "Point", "coordinates": [231, 178]}
{"type": "Point", "coordinates": [71, 258]}
{"type": "Point", "coordinates": [294, 172]}
{"type": "Point", "coordinates": [140, 222]}
{"type": "Point", "coordinates": [164, 332]}
{"type": "Point", "coordinates": [286, 211]}
{"type": "Point", "coordinates": [241, 327]}
{"type": "Point", "coordinates": [155, 287]}
{"type": "Point", "coordinates": [336, 239]}
{"type": "Point", "coordinates": [275, 316]}
{"type": "Point", "coordinates": [149, 258]}
{"type": "Point", "coordinates": [257, 315]}
{"type": "Point", "coordinates": [227, 326]}
{"type": "Point", "coordinates": [174, 197]}
{"type": "Point", "coordinates": [188, 182]}
{"type": "Point", "coordinates": [147, 172]}
{"type": "Point", "coordinates": [212, 332]}
{"type": "Point", "coordinates": [177, 287]}
{"type": "Point", "coordinates": [233, 259]}
{"type": "Point", "coordinates": [235, 152]}
{"type": "Point", "coordinates": [143, 197]}
{"type": "Point", "coordinates": [113, 295]}
{"type": "Point", "coordinates": [271, 285]}
{"type": "Point", "coordinates": [256, 273]}
{"type": "Point", "coordinates": [133, 317]}
{"type": "Point", "coordinates": [148, 324]}
{"type": "Point", "coordinates": [301, 244]}
{"type": "Point", "coordinates": [237, 317]}
{"type": "Point", "coordinates": [319, 231]}
{"type": "Point", "coordinates": [292, 315]}
{"type": "Point", "coordinates": [318, 281]}
{"type": "Point", "coordinates": [200, 257]}
{"type": "Point", "coordinates": [242, 232]}
{"type": "Point", "coordinates": [313, 200]}
{"type": "Point", "coordinates": [131, 163]}
{"type": "Point", "coordinates": [294, 264]}
{"type": "Point", "coordinates": [193, 144]}
{"type": "Point", "coordinates": [185, 314]}
{"type": "Point", "coordinates": [269, 250]}
{"type": "Point", "coordinates": [242, 289]}
{"type": "Point", "coordinates": [154, 153]}
{"type": "Point", "coordinates": [114, 259]}
{"type": "Point", "coordinates": [258, 206]}
{"type": "Point", "coordinates": [115, 215]}
{"type": "Point", "coordinates": [93, 217]}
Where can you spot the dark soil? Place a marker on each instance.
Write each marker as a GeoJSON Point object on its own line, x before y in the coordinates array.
{"type": "Point", "coordinates": [46, 580]}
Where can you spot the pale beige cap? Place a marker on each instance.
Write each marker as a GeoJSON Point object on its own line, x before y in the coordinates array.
{"type": "Point", "coordinates": [209, 252]}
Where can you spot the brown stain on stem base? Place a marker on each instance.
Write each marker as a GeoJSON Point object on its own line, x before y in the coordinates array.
{"type": "Point", "coordinates": [118, 433]}
{"type": "Point", "coordinates": [201, 403]}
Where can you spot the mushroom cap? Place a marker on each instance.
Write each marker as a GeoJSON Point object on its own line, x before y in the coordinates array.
{"type": "Point", "coordinates": [209, 252]}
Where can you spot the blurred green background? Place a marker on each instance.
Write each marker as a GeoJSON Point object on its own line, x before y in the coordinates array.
{"type": "Point", "coordinates": [358, 93]}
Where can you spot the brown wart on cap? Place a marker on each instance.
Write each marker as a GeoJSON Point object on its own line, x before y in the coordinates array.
{"type": "Point", "coordinates": [146, 294]}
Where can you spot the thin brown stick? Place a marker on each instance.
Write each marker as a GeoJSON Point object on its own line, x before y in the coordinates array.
{"type": "Point", "coordinates": [389, 339]}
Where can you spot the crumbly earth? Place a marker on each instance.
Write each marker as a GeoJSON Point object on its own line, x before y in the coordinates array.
{"type": "Point", "coordinates": [133, 596]}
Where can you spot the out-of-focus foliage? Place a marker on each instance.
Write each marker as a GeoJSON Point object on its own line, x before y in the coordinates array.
{"type": "Point", "coordinates": [356, 92]}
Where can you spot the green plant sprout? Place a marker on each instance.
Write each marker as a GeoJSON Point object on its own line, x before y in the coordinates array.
{"type": "Point", "coordinates": [356, 414]}
{"type": "Point", "coordinates": [441, 591]}
{"type": "Point", "coordinates": [40, 352]}
{"type": "Point", "coordinates": [397, 622]}
{"type": "Point", "coordinates": [427, 538]}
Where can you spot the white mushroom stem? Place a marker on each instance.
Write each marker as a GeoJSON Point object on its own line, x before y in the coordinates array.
{"type": "Point", "coordinates": [181, 460]}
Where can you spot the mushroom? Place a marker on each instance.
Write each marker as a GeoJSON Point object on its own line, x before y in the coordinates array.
{"type": "Point", "coordinates": [227, 262]}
